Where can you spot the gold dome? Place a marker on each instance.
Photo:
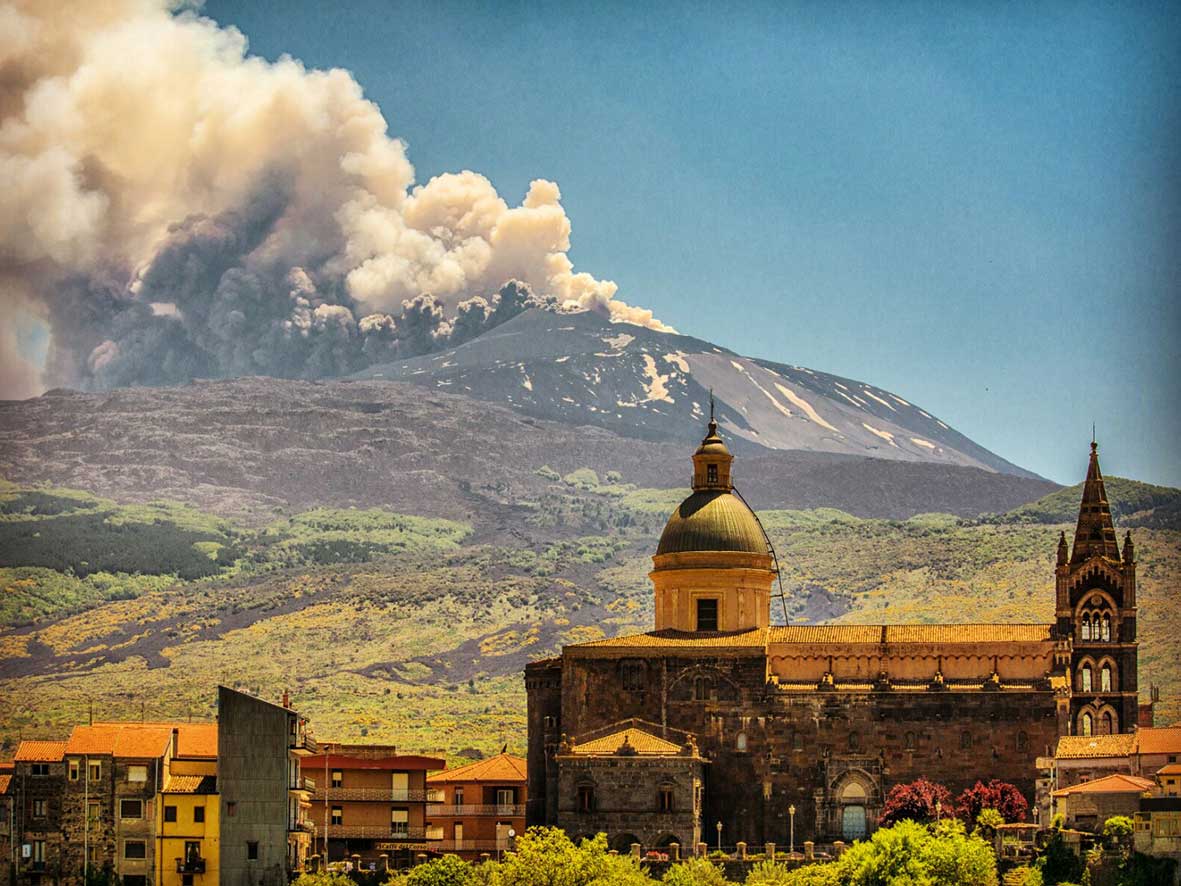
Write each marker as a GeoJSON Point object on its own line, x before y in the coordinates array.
{"type": "Point", "coordinates": [712, 521]}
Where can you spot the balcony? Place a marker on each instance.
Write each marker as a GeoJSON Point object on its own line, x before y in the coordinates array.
{"type": "Point", "coordinates": [376, 832]}
{"type": "Point", "coordinates": [301, 743]}
{"type": "Point", "coordinates": [515, 810]}
{"type": "Point", "coordinates": [303, 786]}
{"type": "Point", "coordinates": [190, 866]}
{"type": "Point", "coordinates": [385, 795]}
{"type": "Point", "coordinates": [302, 826]}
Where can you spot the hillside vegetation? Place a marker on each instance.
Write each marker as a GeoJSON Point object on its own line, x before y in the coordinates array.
{"type": "Point", "coordinates": [414, 630]}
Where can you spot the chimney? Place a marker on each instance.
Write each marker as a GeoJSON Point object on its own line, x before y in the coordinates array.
{"type": "Point", "coordinates": [286, 699]}
{"type": "Point", "coordinates": [175, 742]}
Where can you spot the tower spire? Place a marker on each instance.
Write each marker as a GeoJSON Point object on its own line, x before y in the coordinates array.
{"type": "Point", "coordinates": [1095, 533]}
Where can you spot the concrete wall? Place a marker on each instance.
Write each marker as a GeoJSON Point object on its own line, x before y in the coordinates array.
{"type": "Point", "coordinates": [252, 775]}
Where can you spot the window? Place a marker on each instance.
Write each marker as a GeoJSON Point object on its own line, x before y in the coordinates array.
{"type": "Point", "coordinates": [965, 740]}
{"type": "Point", "coordinates": [138, 774]}
{"type": "Point", "coordinates": [586, 798]}
{"type": "Point", "coordinates": [797, 741]}
{"type": "Point", "coordinates": [854, 743]}
{"type": "Point", "coordinates": [1086, 629]}
{"type": "Point", "coordinates": [400, 822]}
{"type": "Point", "coordinates": [3, 814]}
{"type": "Point", "coordinates": [231, 809]}
{"type": "Point", "coordinates": [134, 880]}
{"type": "Point", "coordinates": [1105, 678]}
{"type": "Point", "coordinates": [740, 742]}
{"type": "Point", "coordinates": [1086, 678]}
{"type": "Point", "coordinates": [39, 851]}
{"type": "Point", "coordinates": [135, 849]}
{"type": "Point", "coordinates": [458, 831]}
{"type": "Point", "coordinates": [1106, 724]}
{"type": "Point", "coordinates": [337, 815]}
{"type": "Point", "coordinates": [664, 799]}
{"type": "Point", "coordinates": [701, 688]}
{"type": "Point", "coordinates": [910, 741]}
{"type": "Point", "coordinates": [337, 778]}
{"type": "Point", "coordinates": [186, 880]}
{"type": "Point", "coordinates": [131, 808]}
{"type": "Point", "coordinates": [1107, 627]}
{"type": "Point", "coordinates": [39, 808]}
{"type": "Point", "coordinates": [94, 811]}
{"type": "Point", "coordinates": [505, 796]}
{"type": "Point", "coordinates": [251, 851]}
{"type": "Point", "coordinates": [198, 814]}
{"type": "Point", "coordinates": [95, 772]}
{"type": "Point", "coordinates": [95, 852]}
{"type": "Point", "coordinates": [711, 473]}
{"type": "Point", "coordinates": [459, 796]}
{"type": "Point", "coordinates": [1086, 724]}
{"type": "Point", "coordinates": [707, 615]}
{"type": "Point", "coordinates": [632, 675]}
{"type": "Point", "coordinates": [39, 769]}
{"type": "Point", "coordinates": [550, 723]}
{"type": "Point", "coordinates": [170, 813]}
{"type": "Point", "coordinates": [75, 770]}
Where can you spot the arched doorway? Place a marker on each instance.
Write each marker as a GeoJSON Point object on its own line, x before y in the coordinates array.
{"type": "Point", "coordinates": [622, 843]}
{"type": "Point", "coordinates": [853, 818]}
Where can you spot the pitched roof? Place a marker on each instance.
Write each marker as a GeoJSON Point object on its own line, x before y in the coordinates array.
{"type": "Point", "coordinates": [1110, 784]}
{"type": "Point", "coordinates": [40, 751]}
{"type": "Point", "coordinates": [1159, 740]}
{"type": "Point", "coordinates": [924, 634]}
{"type": "Point", "coordinates": [6, 765]}
{"type": "Point", "coordinates": [191, 784]}
{"type": "Point", "coordinates": [643, 743]}
{"type": "Point", "coordinates": [1094, 535]}
{"type": "Point", "coordinates": [670, 639]}
{"type": "Point", "coordinates": [143, 740]}
{"type": "Point", "coordinates": [4, 780]}
{"type": "Point", "coordinates": [1171, 769]}
{"type": "Point", "coordinates": [502, 767]}
{"type": "Point", "coordinates": [1077, 747]}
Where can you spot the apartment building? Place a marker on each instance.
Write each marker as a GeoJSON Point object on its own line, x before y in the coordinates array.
{"type": "Point", "coordinates": [370, 804]}
{"type": "Point", "coordinates": [187, 831]}
{"type": "Point", "coordinates": [479, 807]}
{"type": "Point", "coordinates": [35, 791]}
{"type": "Point", "coordinates": [263, 796]}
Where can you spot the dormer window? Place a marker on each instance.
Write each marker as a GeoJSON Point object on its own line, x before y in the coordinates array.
{"type": "Point", "coordinates": [711, 473]}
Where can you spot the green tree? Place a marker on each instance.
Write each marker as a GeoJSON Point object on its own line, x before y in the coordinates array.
{"type": "Point", "coordinates": [450, 870]}
{"type": "Point", "coordinates": [987, 821]}
{"type": "Point", "coordinates": [909, 853]}
{"type": "Point", "coordinates": [695, 872]}
{"type": "Point", "coordinates": [547, 857]}
{"type": "Point", "coordinates": [1058, 863]}
{"type": "Point", "coordinates": [1117, 830]}
{"type": "Point", "coordinates": [770, 873]}
{"type": "Point", "coordinates": [323, 878]}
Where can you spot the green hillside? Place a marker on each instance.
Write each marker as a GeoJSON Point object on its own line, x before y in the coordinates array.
{"type": "Point", "coordinates": [1132, 504]}
{"type": "Point", "coordinates": [398, 628]}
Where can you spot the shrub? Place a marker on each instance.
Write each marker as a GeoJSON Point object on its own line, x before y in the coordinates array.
{"type": "Point", "coordinates": [450, 870]}
{"type": "Point", "coordinates": [998, 795]}
{"type": "Point", "coordinates": [695, 872]}
{"type": "Point", "coordinates": [915, 802]}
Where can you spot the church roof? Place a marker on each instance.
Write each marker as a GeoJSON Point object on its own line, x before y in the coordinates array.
{"type": "Point", "coordinates": [1095, 534]}
{"type": "Point", "coordinates": [672, 639]}
{"type": "Point", "coordinates": [713, 520]}
{"type": "Point", "coordinates": [502, 767]}
{"type": "Point", "coordinates": [1081, 747]}
{"type": "Point", "coordinates": [922, 634]}
{"type": "Point", "coordinates": [641, 742]}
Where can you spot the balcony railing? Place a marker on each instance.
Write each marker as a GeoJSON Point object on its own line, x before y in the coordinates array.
{"type": "Point", "coordinates": [386, 795]}
{"type": "Point", "coordinates": [515, 810]}
{"type": "Point", "coordinates": [378, 832]}
{"type": "Point", "coordinates": [303, 785]}
{"type": "Point", "coordinates": [302, 743]}
{"type": "Point", "coordinates": [190, 866]}
{"type": "Point", "coordinates": [470, 845]}
{"type": "Point", "coordinates": [301, 826]}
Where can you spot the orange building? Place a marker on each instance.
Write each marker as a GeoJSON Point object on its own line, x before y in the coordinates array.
{"type": "Point", "coordinates": [478, 807]}
{"type": "Point", "coordinates": [369, 804]}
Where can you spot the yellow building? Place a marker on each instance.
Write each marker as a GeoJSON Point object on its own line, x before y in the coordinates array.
{"type": "Point", "coordinates": [187, 848]}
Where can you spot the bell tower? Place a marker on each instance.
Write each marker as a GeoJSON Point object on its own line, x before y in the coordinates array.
{"type": "Point", "coordinates": [1096, 609]}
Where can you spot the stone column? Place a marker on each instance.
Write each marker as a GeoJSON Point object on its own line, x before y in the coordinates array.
{"type": "Point", "coordinates": [635, 849]}
{"type": "Point", "coordinates": [702, 850]}
{"type": "Point", "coordinates": [769, 849]}
{"type": "Point", "coordinates": [674, 851]}
{"type": "Point", "coordinates": [838, 848]}
{"type": "Point", "coordinates": [809, 850]}
{"type": "Point", "coordinates": [741, 851]}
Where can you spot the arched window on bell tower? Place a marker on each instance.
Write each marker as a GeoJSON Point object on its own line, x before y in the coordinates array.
{"type": "Point", "coordinates": [1086, 724]}
{"type": "Point", "coordinates": [1085, 678]}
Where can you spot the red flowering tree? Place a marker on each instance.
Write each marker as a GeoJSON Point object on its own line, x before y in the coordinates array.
{"type": "Point", "coordinates": [998, 795]}
{"type": "Point", "coordinates": [916, 801]}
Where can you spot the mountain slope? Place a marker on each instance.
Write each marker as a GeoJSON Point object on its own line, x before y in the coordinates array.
{"type": "Point", "coordinates": [581, 369]}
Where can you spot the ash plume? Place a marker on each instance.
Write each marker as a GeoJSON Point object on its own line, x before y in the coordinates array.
{"type": "Point", "coordinates": [176, 208]}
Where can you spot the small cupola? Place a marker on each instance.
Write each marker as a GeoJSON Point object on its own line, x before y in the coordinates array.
{"type": "Point", "coordinates": [712, 460]}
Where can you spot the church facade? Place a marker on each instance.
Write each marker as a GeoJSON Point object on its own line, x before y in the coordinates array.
{"type": "Point", "coordinates": [720, 718]}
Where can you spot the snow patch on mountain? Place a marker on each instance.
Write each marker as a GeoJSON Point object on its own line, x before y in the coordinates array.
{"type": "Point", "coordinates": [885, 435]}
{"type": "Point", "coordinates": [804, 406]}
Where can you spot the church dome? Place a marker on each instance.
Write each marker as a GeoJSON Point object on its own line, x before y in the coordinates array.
{"type": "Point", "coordinates": [713, 520]}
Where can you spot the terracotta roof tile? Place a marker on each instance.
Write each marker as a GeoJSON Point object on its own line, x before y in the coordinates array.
{"type": "Point", "coordinates": [644, 744]}
{"type": "Point", "coordinates": [908, 634]}
{"type": "Point", "coordinates": [144, 740]}
{"type": "Point", "coordinates": [191, 784]}
{"type": "Point", "coordinates": [1078, 747]}
{"type": "Point", "coordinates": [4, 780]}
{"type": "Point", "coordinates": [1171, 769]}
{"type": "Point", "coordinates": [669, 639]}
{"type": "Point", "coordinates": [6, 765]}
{"type": "Point", "coordinates": [1110, 784]}
{"type": "Point", "coordinates": [40, 751]}
{"type": "Point", "coordinates": [502, 767]}
{"type": "Point", "coordinates": [1159, 740]}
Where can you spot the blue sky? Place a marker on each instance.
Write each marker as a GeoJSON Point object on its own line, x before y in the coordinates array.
{"type": "Point", "coordinates": [973, 205]}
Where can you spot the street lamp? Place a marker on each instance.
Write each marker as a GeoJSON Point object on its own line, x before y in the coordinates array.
{"type": "Point", "coordinates": [791, 811]}
{"type": "Point", "coordinates": [719, 836]}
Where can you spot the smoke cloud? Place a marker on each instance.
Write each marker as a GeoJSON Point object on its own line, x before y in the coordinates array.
{"type": "Point", "coordinates": [175, 208]}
